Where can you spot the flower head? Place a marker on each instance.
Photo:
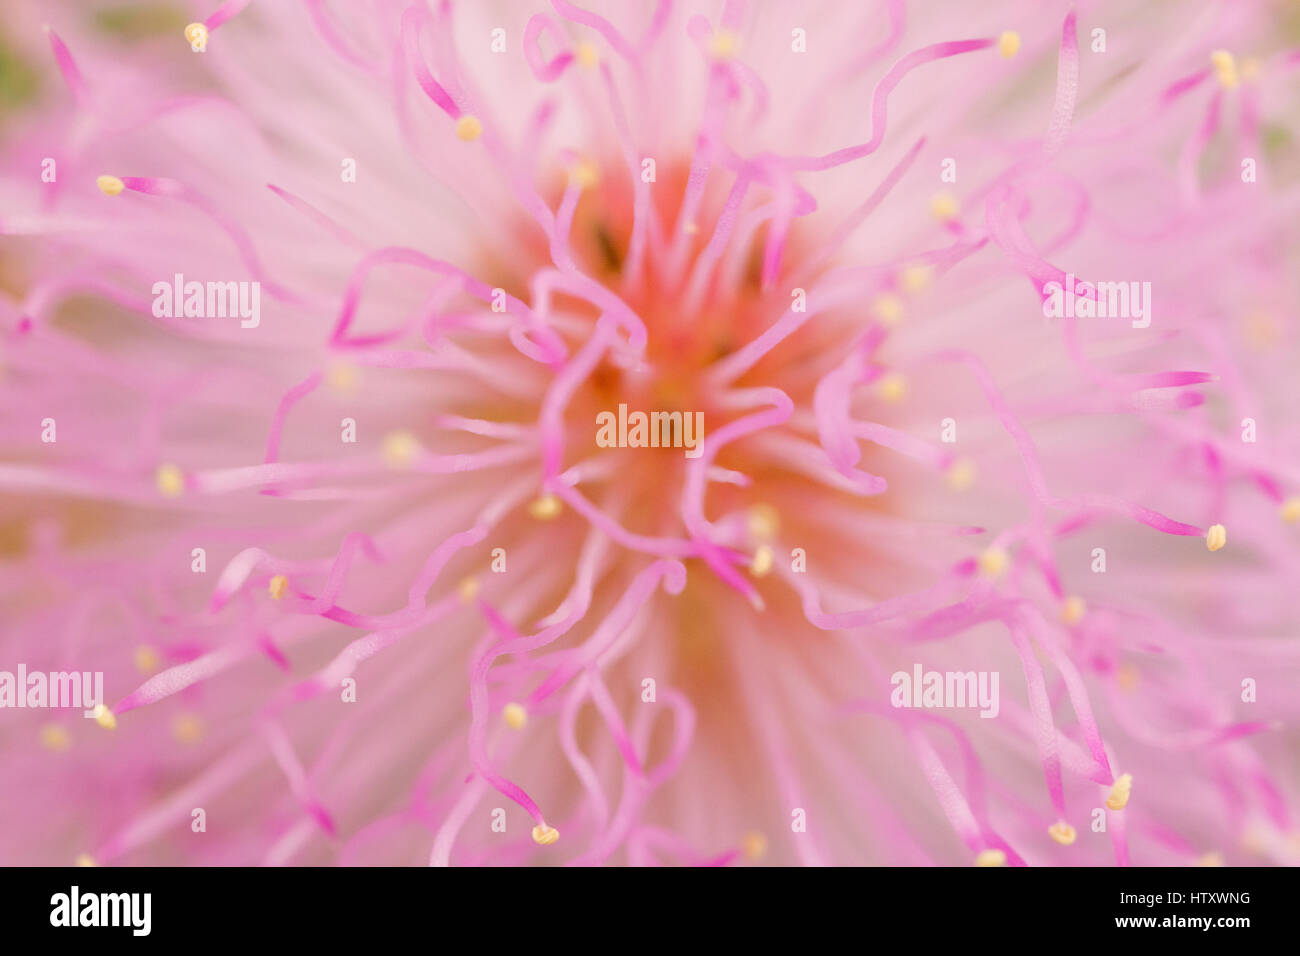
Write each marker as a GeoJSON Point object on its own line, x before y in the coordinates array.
{"type": "Point", "coordinates": [501, 434]}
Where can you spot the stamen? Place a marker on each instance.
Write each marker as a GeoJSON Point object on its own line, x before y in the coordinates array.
{"type": "Point", "coordinates": [723, 44]}
{"type": "Point", "coordinates": [146, 659]}
{"type": "Point", "coordinates": [1127, 677]}
{"type": "Point", "coordinates": [1063, 833]}
{"type": "Point", "coordinates": [1073, 609]}
{"type": "Point", "coordinates": [1009, 44]}
{"type": "Point", "coordinates": [754, 845]}
{"type": "Point", "coordinates": [187, 729]}
{"type": "Point", "coordinates": [515, 716]}
{"type": "Point", "coordinates": [279, 585]}
{"type": "Point", "coordinates": [105, 717]}
{"type": "Point", "coordinates": [1261, 330]}
{"type": "Point", "coordinates": [55, 738]}
{"type": "Point", "coordinates": [1290, 510]}
{"type": "Point", "coordinates": [991, 858]}
{"type": "Point", "coordinates": [110, 185]}
{"type": "Point", "coordinates": [892, 387]}
{"type": "Point", "coordinates": [196, 35]}
{"type": "Point", "coordinates": [225, 12]}
{"type": "Point", "coordinates": [762, 563]}
{"type": "Point", "coordinates": [412, 20]}
{"type": "Point", "coordinates": [1119, 792]}
{"type": "Point", "coordinates": [586, 55]}
{"type": "Point", "coordinates": [544, 835]}
{"type": "Point", "coordinates": [67, 65]}
{"type": "Point", "coordinates": [888, 308]}
{"type": "Point", "coordinates": [545, 508]}
{"type": "Point", "coordinates": [993, 562]}
{"type": "Point", "coordinates": [1225, 68]}
{"type": "Point", "coordinates": [468, 589]}
{"type": "Point", "coordinates": [468, 128]}
{"type": "Point", "coordinates": [342, 376]}
{"type": "Point", "coordinates": [170, 480]}
{"type": "Point", "coordinates": [1216, 537]}
{"type": "Point", "coordinates": [585, 173]}
{"type": "Point", "coordinates": [1256, 839]}
{"type": "Point", "coordinates": [763, 522]}
{"type": "Point", "coordinates": [400, 448]}
{"type": "Point", "coordinates": [944, 207]}
{"type": "Point", "coordinates": [85, 859]}
{"type": "Point", "coordinates": [1213, 858]}
{"type": "Point", "coordinates": [915, 278]}
{"type": "Point", "coordinates": [961, 474]}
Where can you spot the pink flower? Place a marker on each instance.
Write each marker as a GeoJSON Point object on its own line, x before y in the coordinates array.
{"type": "Point", "coordinates": [336, 338]}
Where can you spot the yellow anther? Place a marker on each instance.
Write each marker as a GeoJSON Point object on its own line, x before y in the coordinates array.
{"type": "Point", "coordinates": [515, 716]}
{"type": "Point", "coordinates": [1256, 839]}
{"type": "Point", "coordinates": [1250, 68]}
{"type": "Point", "coordinates": [960, 474]}
{"type": "Point", "coordinates": [1119, 792]}
{"type": "Point", "coordinates": [146, 659]}
{"type": "Point", "coordinates": [1261, 329]}
{"type": "Point", "coordinates": [993, 562]}
{"type": "Point", "coordinates": [586, 55]}
{"type": "Point", "coordinates": [888, 308]}
{"type": "Point", "coordinates": [170, 480]}
{"type": "Point", "coordinates": [545, 508]}
{"type": "Point", "coordinates": [1073, 610]}
{"type": "Point", "coordinates": [1290, 510]}
{"type": "Point", "coordinates": [1063, 833]}
{"type": "Point", "coordinates": [723, 44]}
{"type": "Point", "coordinates": [892, 387]}
{"type": "Point", "coordinates": [544, 835]}
{"type": "Point", "coordinates": [187, 728]}
{"type": "Point", "coordinates": [690, 228]}
{"type": "Point", "coordinates": [586, 173]}
{"type": "Point", "coordinates": [341, 376]}
{"type": "Point", "coordinates": [110, 185]}
{"type": "Point", "coordinates": [763, 522]}
{"type": "Point", "coordinates": [279, 586]}
{"type": "Point", "coordinates": [1216, 537]}
{"type": "Point", "coordinates": [754, 845]}
{"type": "Point", "coordinates": [85, 859]}
{"type": "Point", "coordinates": [54, 737]}
{"type": "Point", "coordinates": [468, 128]}
{"type": "Point", "coordinates": [1225, 67]}
{"type": "Point", "coordinates": [400, 448]}
{"type": "Point", "coordinates": [1127, 677]}
{"type": "Point", "coordinates": [944, 207]}
{"type": "Point", "coordinates": [1213, 858]}
{"type": "Point", "coordinates": [105, 717]}
{"type": "Point", "coordinates": [763, 561]}
{"type": "Point", "coordinates": [468, 589]}
{"type": "Point", "coordinates": [1009, 44]}
{"type": "Point", "coordinates": [916, 278]}
{"type": "Point", "coordinates": [991, 858]}
{"type": "Point", "coordinates": [196, 34]}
